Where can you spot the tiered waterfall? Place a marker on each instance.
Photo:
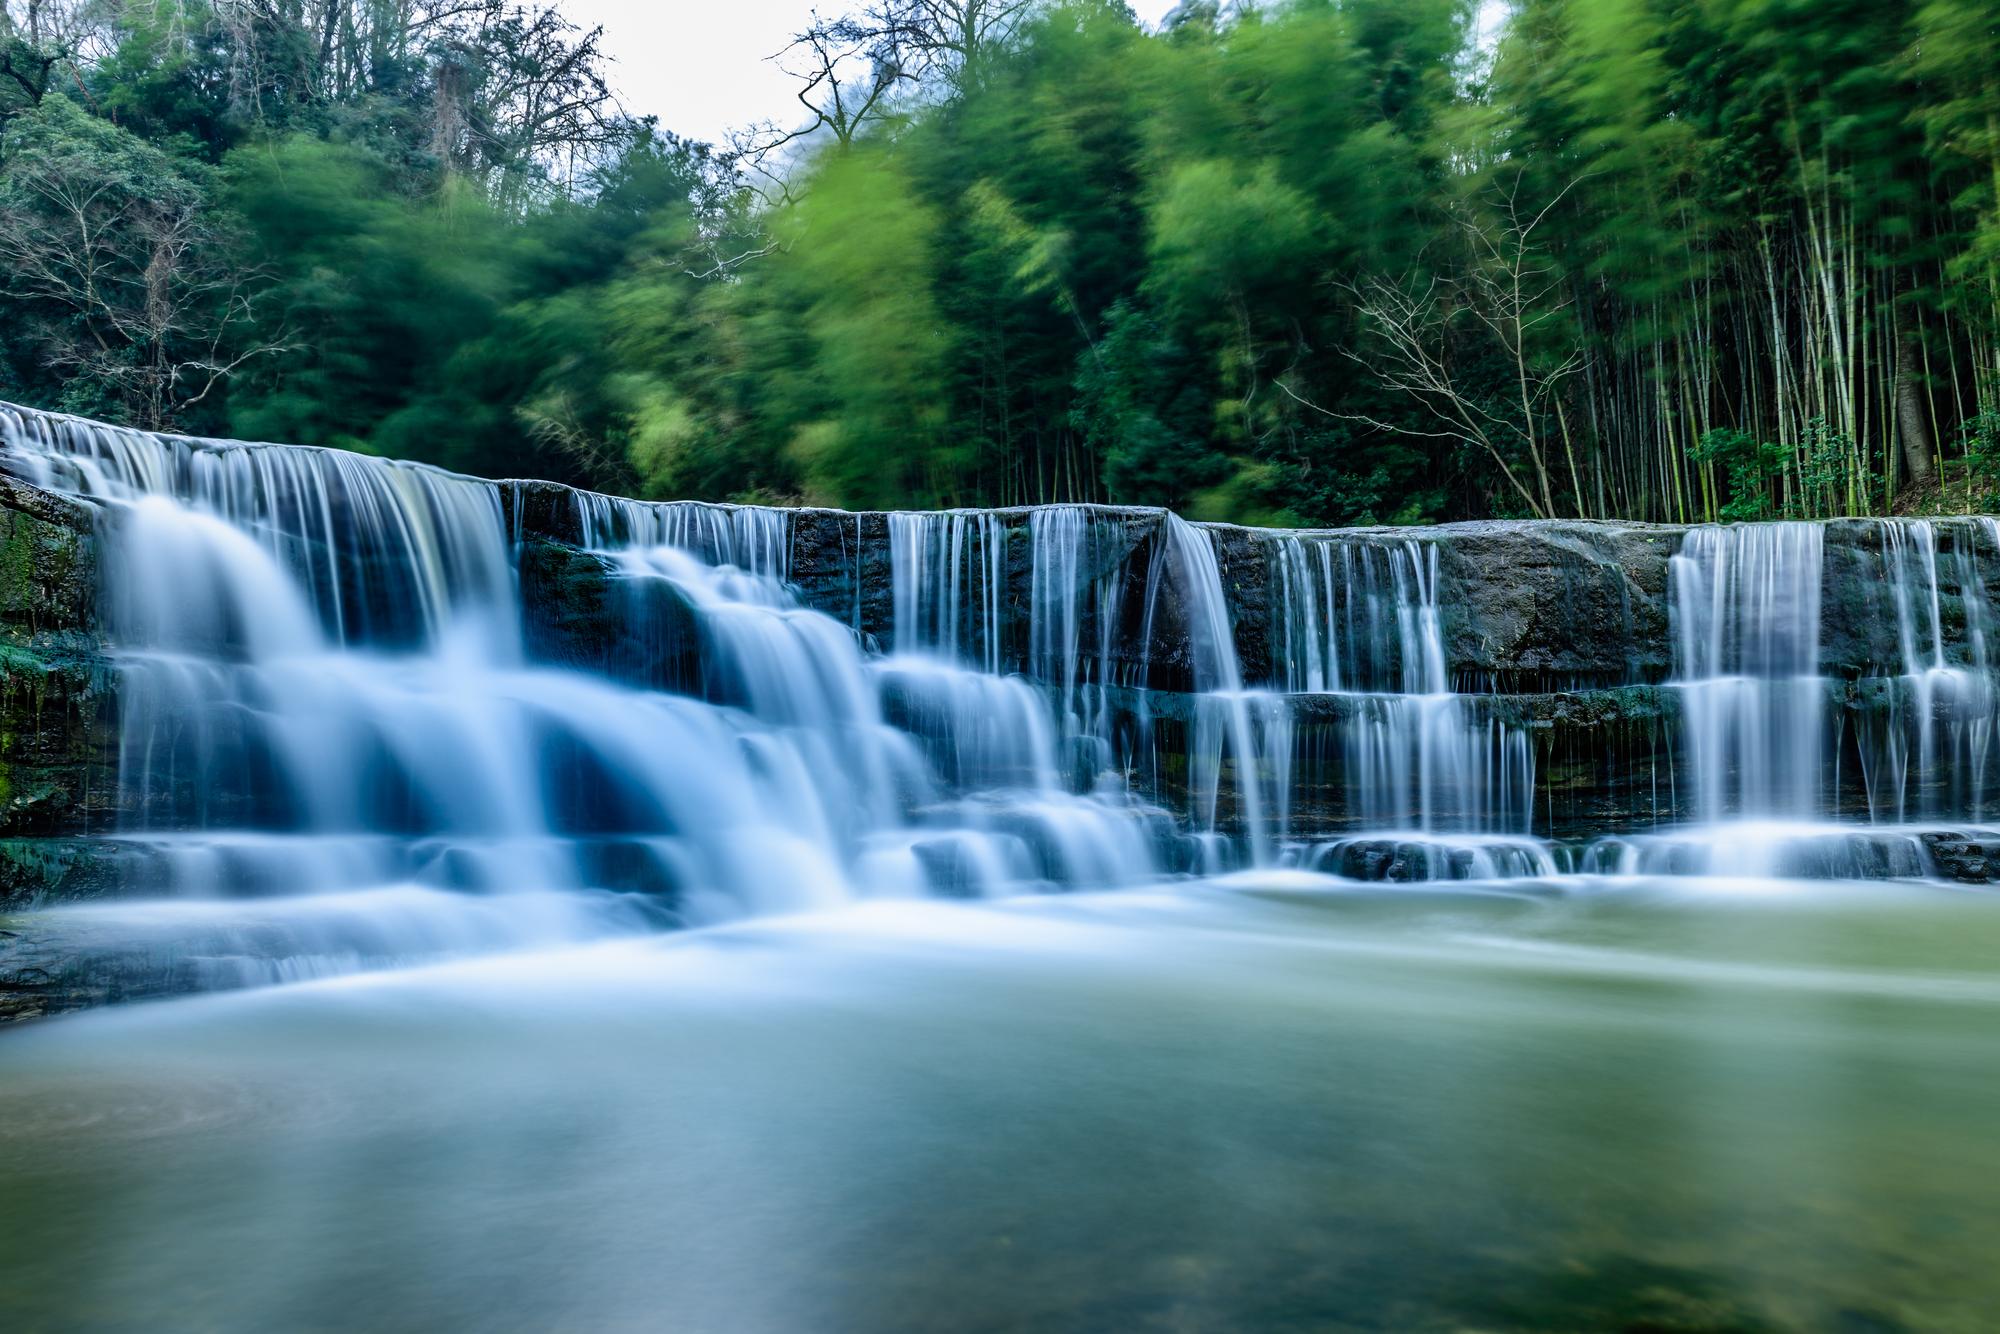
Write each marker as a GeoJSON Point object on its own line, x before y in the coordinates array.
{"type": "Point", "coordinates": [414, 713]}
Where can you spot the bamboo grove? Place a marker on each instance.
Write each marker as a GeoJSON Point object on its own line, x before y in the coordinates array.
{"type": "Point", "coordinates": [1781, 235]}
{"type": "Point", "coordinates": [1332, 262]}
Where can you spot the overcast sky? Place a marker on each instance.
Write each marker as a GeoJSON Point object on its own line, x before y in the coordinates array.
{"type": "Point", "coordinates": [699, 65]}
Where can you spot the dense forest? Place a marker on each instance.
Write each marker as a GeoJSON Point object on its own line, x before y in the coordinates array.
{"type": "Point", "coordinates": [1332, 262]}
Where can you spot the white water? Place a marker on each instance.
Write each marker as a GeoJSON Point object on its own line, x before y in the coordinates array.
{"type": "Point", "coordinates": [321, 656]}
{"type": "Point", "coordinates": [1746, 649]}
{"type": "Point", "coordinates": [1427, 781]}
{"type": "Point", "coordinates": [1705, 1106]}
{"type": "Point", "coordinates": [1927, 755]}
{"type": "Point", "coordinates": [1768, 742]}
{"type": "Point", "coordinates": [325, 691]}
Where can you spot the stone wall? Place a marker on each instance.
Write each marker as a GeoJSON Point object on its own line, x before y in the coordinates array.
{"type": "Point", "coordinates": [1559, 628]}
{"type": "Point", "coordinates": [1529, 607]}
{"type": "Point", "coordinates": [58, 703]}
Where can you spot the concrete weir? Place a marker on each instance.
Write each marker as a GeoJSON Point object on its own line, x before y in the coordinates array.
{"type": "Point", "coordinates": [242, 682]}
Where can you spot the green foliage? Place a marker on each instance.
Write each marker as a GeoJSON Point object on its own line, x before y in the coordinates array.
{"type": "Point", "coordinates": [168, 78]}
{"type": "Point", "coordinates": [1223, 239]}
{"type": "Point", "coordinates": [1834, 476]}
{"type": "Point", "coordinates": [439, 328]}
{"type": "Point", "coordinates": [1315, 262]}
{"type": "Point", "coordinates": [1142, 408]}
{"type": "Point", "coordinates": [120, 266]}
{"type": "Point", "coordinates": [861, 273]}
{"type": "Point", "coordinates": [1751, 468]}
{"type": "Point", "coordinates": [1979, 437]}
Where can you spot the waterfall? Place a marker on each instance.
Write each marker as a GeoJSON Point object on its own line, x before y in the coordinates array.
{"type": "Point", "coordinates": [322, 667]}
{"type": "Point", "coordinates": [1746, 606]}
{"type": "Point", "coordinates": [950, 585]}
{"type": "Point", "coordinates": [1362, 618]}
{"type": "Point", "coordinates": [1924, 734]}
{"type": "Point", "coordinates": [331, 684]}
{"type": "Point", "coordinates": [749, 537]}
{"type": "Point", "coordinates": [955, 633]}
{"type": "Point", "coordinates": [1247, 732]}
{"type": "Point", "coordinates": [1764, 735]}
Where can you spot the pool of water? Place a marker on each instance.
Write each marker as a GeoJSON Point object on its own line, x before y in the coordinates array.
{"type": "Point", "coordinates": [1261, 1104]}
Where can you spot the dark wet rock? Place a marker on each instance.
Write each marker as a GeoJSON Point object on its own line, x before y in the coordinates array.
{"type": "Point", "coordinates": [58, 742]}
{"type": "Point", "coordinates": [1863, 629]}
{"type": "Point", "coordinates": [58, 701]}
{"type": "Point", "coordinates": [548, 510]}
{"type": "Point", "coordinates": [840, 565]}
{"type": "Point", "coordinates": [1256, 609]}
{"type": "Point", "coordinates": [1970, 858]}
{"type": "Point", "coordinates": [48, 562]}
{"type": "Point", "coordinates": [1534, 606]}
{"type": "Point", "coordinates": [53, 961]}
{"type": "Point", "coordinates": [1605, 760]}
{"type": "Point", "coordinates": [48, 969]}
{"type": "Point", "coordinates": [56, 962]}
{"type": "Point", "coordinates": [1526, 606]}
{"type": "Point", "coordinates": [1396, 861]}
{"type": "Point", "coordinates": [36, 872]}
{"type": "Point", "coordinates": [580, 612]}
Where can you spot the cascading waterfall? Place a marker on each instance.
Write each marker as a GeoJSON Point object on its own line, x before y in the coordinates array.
{"type": "Point", "coordinates": [1746, 602]}
{"type": "Point", "coordinates": [949, 594]}
{"type": "Point", "coordinates": [1767, 729]}
{"type": "Point", "coordinates": [324, 687]}
{"type": "Point", "coordinates": [342, 731]}
{"type": "Point", "coordinates": [1041, 753]}
{"type": "Point", "coordinates": [1247, 730]}
{"type": "Point", "coordinates": [749, 537]}
{"type": "Point", "coordinates": [1760, 711]}
{"type": "Point", "coordinates": [1924, 744]}
{"type": "Point", "coordinates": [950, 585]}
{"type": "Point", "coordinates": [1361, 619]}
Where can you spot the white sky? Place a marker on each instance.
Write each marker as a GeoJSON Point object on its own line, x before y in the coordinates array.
{"type": "Point", "coordinates": [699, 65]}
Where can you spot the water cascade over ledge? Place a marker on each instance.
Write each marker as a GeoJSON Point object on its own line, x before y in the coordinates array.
{"type": "Point", "coordinates": [413, 715]}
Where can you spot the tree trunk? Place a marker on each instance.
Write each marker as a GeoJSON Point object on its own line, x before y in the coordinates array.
{"type": "Point", "coordinates": [1912, 413]}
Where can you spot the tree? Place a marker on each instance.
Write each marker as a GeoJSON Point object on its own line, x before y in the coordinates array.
{"type": "Point", "coordinates": [1517, 300]}
{"type": "Point", "coordinates": [126, 255]}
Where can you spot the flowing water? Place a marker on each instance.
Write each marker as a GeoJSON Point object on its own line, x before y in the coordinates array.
{"type": "Point", "coordinates": [1640, 1107]}
{"type": "Point", "coordinates": [452, 1069]}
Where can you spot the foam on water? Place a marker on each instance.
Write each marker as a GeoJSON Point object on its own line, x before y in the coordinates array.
{"type": "Point", "coordinates": [323, 689]}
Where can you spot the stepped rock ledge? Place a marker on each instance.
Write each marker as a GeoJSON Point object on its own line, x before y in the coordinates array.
{"type": "Point", "coordinates": [1561, 632]}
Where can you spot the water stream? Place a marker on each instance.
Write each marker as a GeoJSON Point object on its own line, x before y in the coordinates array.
{"type": "Point", "coordinates": [985, 970]}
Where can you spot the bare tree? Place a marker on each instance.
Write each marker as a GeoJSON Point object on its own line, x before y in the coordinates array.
{"type": "Point", "coordinates": [853, 70]}
{"type": "Point", "coordinates": [41, 43]}
{"type": "Point", "coordinates": [1520, 300]}
{"type": "Point", "coordinates": [849, 70]}
{"type": "Point", "coordinates": [951, 39]}
{"type": "Point", "coordinates": [28, 64]}
{"type": "Point", "coordinates": [857, 73]}
{"type": "Point", "coordinates": [513, 96]}
{"type": "Point", "coordinates": [129, 252]}
{"type": "Point", "coordinates": [519, 91]}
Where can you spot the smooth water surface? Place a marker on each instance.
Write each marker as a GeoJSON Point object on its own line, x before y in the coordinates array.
{"type": "Point", "coordinates": [1276, 1104]}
